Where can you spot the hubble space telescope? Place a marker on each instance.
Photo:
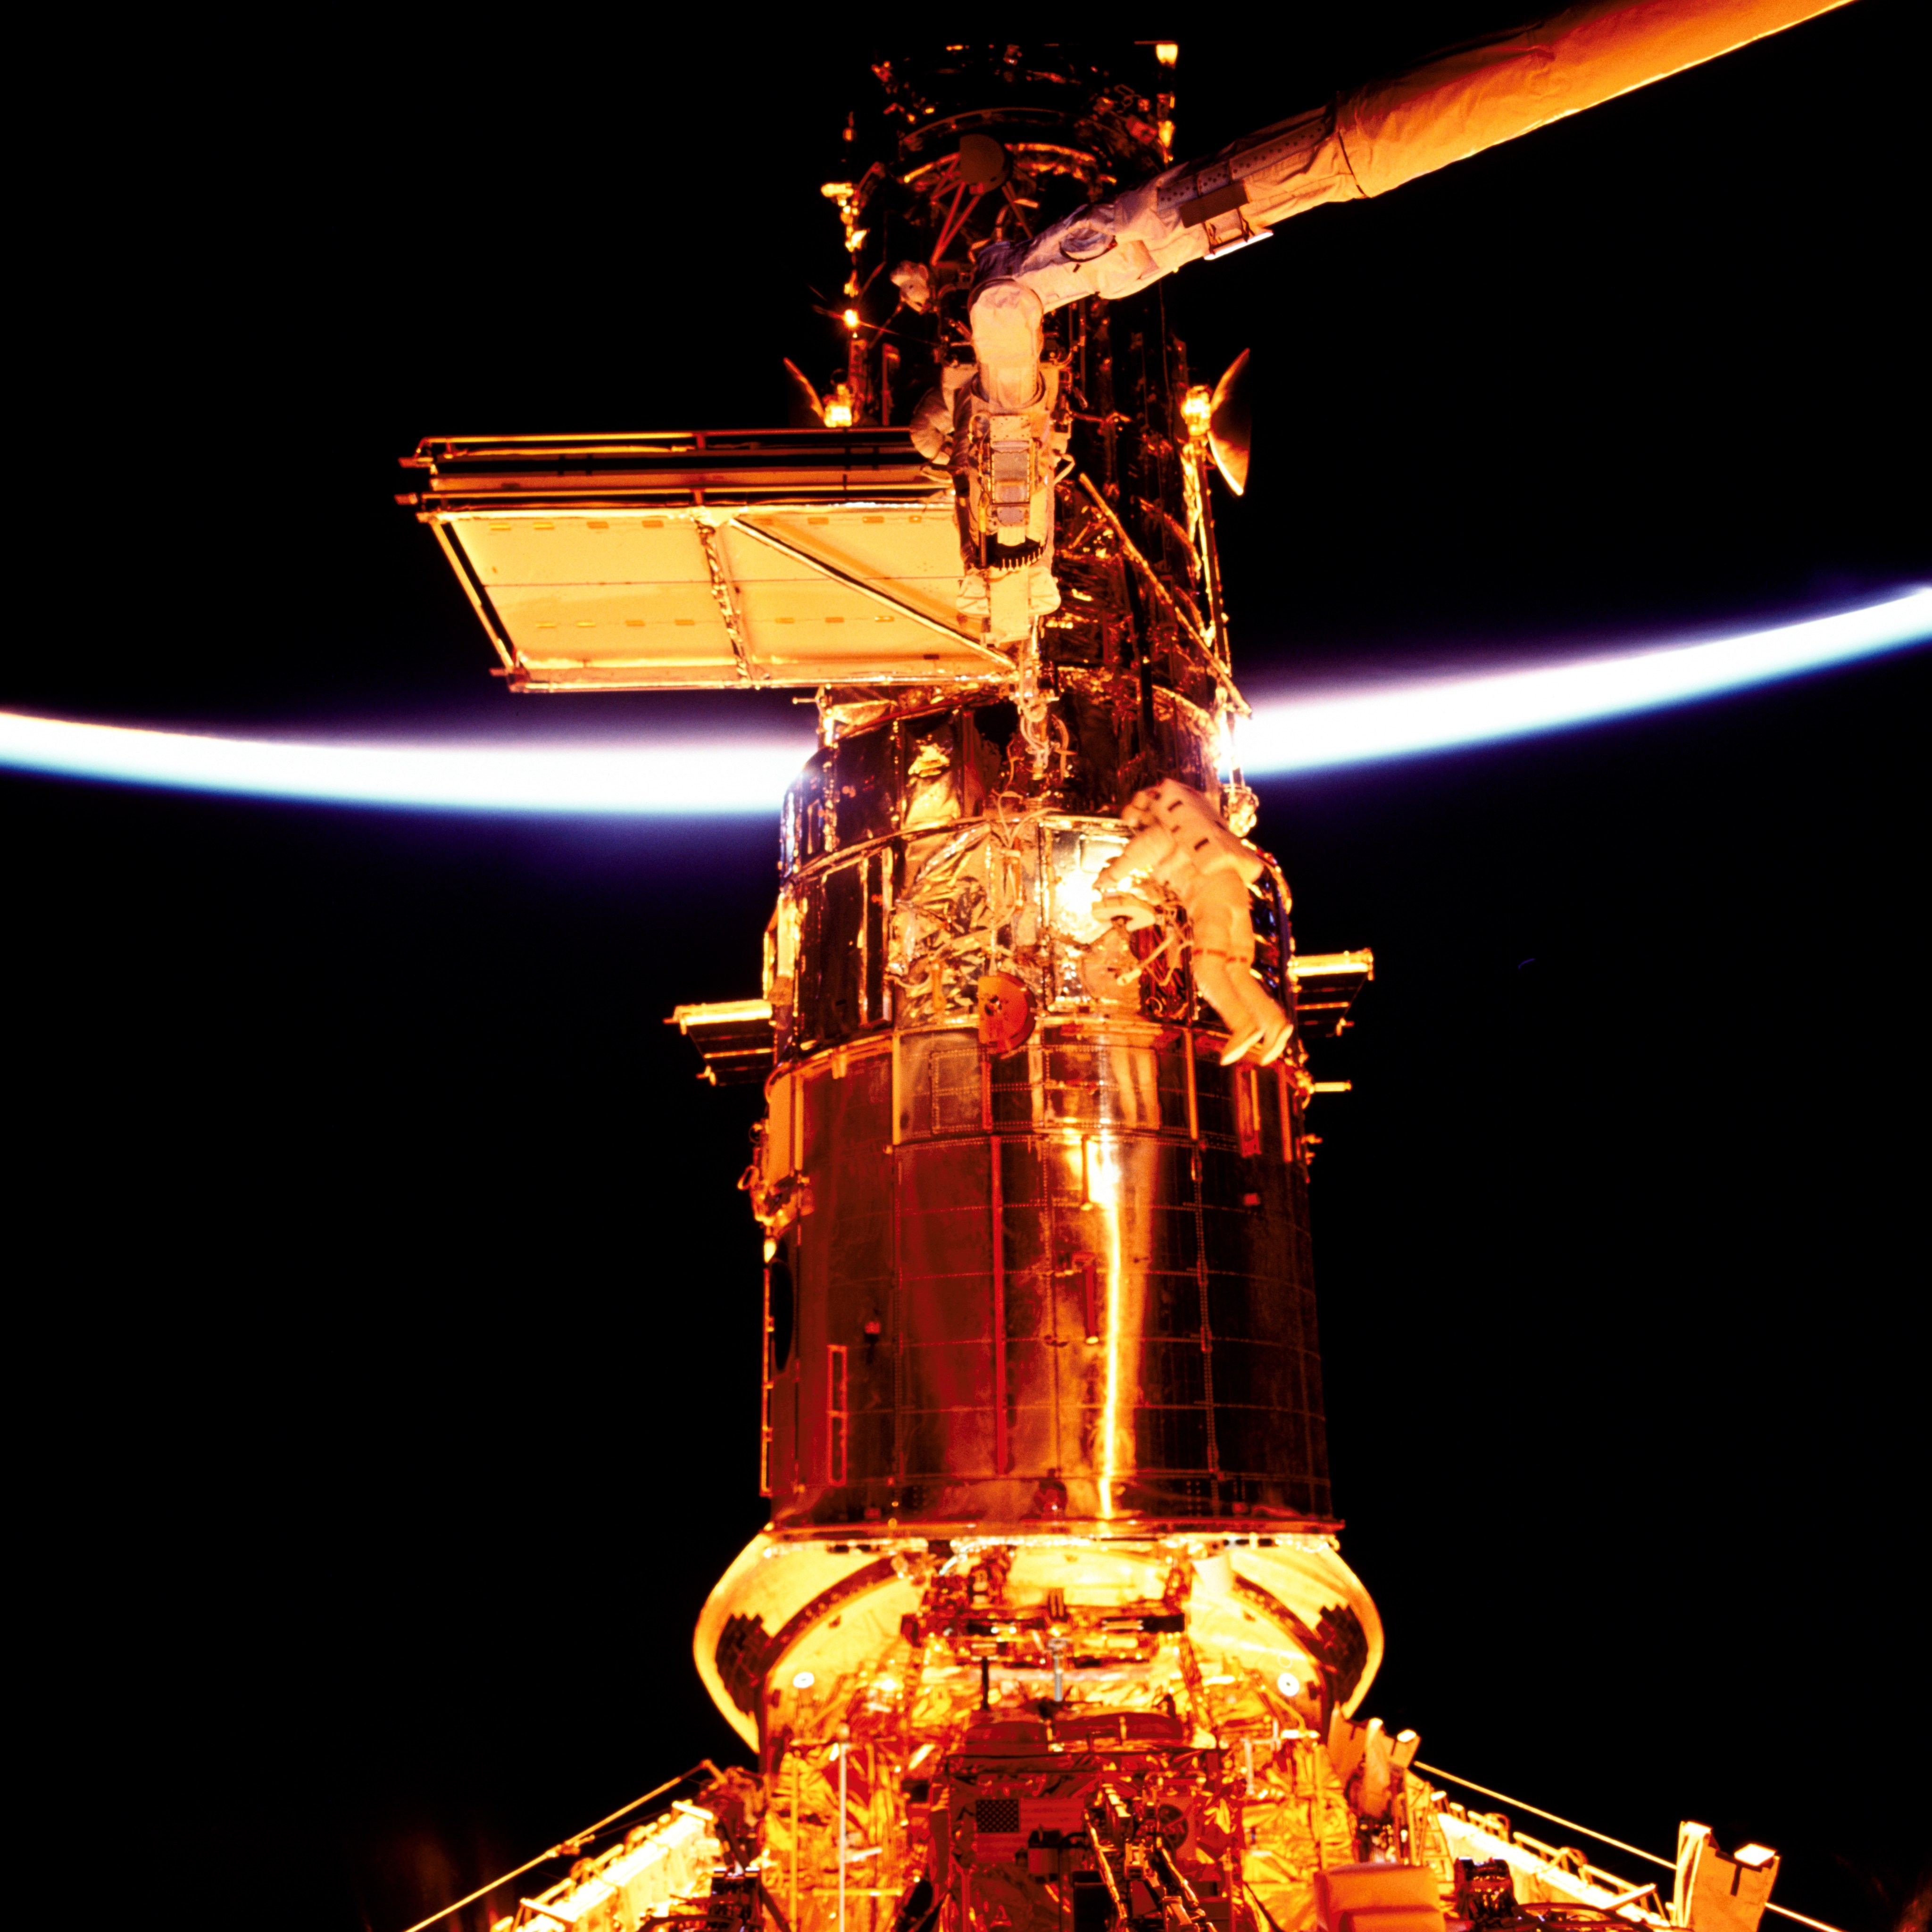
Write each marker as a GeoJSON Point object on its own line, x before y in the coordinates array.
{"type": "Point", "coordinates": [1049, 1628]}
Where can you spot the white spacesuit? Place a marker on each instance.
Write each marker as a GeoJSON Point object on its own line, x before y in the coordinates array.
{"type": "Point", "coordinates": [1180, 843]}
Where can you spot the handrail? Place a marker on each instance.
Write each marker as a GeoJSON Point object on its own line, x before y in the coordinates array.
{"type": "Point", "coordinates": [1602, 1837]}
{"type": "Point", "coordinates": [567, 1848]}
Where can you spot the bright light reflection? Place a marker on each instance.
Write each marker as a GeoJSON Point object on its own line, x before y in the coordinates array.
{"type": "Point", "coordinates": [729, 776]}
{"type": "Point", "coordinates": [1104, 1178]}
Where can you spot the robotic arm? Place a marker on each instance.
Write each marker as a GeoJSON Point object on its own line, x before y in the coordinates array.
{"type": "Point", "coordinates": [1362, 144]}
{"type": "Point", "coordinates": [1367, 142]}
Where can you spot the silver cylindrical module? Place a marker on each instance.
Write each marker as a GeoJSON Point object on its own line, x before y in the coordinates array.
{"type": "Point", "coordinates": [1039, 1261]}
{"type": "Point", "coordinates": [1069, 1282]}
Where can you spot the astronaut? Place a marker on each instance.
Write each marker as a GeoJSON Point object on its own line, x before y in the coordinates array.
{"type": "Point", "coordinates": [1180, 843]}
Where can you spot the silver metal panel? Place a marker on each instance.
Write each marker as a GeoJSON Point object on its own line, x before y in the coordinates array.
{"type": "Point", "coordinates": [1073, 1286]}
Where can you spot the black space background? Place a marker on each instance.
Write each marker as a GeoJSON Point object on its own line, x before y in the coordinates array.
{"type": "Point", "coordinates": [384, 1315]}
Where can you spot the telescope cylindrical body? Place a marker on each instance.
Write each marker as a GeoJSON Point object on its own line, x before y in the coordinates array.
{"type": "Point", "coordinates": [1062, 1278]}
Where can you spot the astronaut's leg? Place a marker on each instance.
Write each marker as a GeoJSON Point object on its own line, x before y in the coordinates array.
{"type": "Point", "coordinates": [1276, 1030]}
{"type": "Point", "coordinates": [1252, 1019]}
{"type": "Point", "coordinates": [1224, 944]}
{"type": "Point", "coordinates": [1218, 987]}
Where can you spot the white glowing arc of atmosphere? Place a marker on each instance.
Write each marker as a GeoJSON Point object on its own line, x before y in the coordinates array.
{"type": "Point", "coordinates": [1321, 731]}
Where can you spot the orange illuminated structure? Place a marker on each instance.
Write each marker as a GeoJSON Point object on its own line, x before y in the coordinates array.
{"type": "Point", "coordinates": [1050, 1627]}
